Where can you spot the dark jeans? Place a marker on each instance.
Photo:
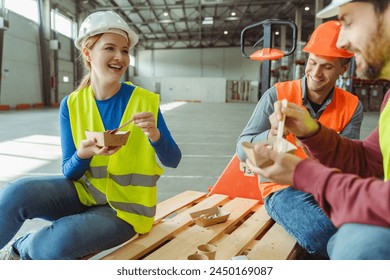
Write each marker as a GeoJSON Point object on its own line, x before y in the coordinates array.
{"type": "Point", "coordinates": [360, 242]}
{"type": "Point", "coordinates": [301, 216]}
{"type": "Point", "coordinates": [76, 230]}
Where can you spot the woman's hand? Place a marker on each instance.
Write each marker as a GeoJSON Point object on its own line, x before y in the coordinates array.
{"type": "Point", "coordinates": [88, 149]}
{"type": "Point", "coordinates": [146, 122]}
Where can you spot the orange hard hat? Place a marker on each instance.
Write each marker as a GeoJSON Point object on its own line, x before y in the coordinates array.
{"type": "Point", "coordinates": [323, 41]}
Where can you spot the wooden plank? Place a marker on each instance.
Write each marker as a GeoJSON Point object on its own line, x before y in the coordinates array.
{"type": "Point", "coordinates": [242, 237]}
{"type": "Point", "coordinates": [296, 252]}
{"type": "Point", "coordinates": [185, 242]}
{"type": "Point", "coordinates": [277, 244]}
{"type": "Point", "coordinates": [161, 232]}
{"type": "Point", "coordinates": [175, 203]}
{"type": "Point", "coordinates": [169, 206]}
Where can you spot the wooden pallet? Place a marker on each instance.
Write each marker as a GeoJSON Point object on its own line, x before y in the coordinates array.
{"type": "Point", "coordinates": [249, 231]}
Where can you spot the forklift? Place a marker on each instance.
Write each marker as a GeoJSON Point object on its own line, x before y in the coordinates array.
{"type": "Point", "coordinates": [236, 180]}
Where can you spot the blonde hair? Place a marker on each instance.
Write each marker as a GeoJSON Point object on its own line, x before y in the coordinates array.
{"type": "Point", "coordinates": [88, 43]}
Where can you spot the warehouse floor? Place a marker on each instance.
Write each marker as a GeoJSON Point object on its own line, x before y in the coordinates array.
{"type": "Point", "coordinates": [205, 132]}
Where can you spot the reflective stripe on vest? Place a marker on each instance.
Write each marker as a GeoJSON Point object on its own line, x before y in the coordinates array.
{"type": "Point", "coordinates": [98, 172]}
{"type": "Point", "coordinates": [97, 195]}
{"type": "Point", "coordinates": [135, 208]}
{"type": "Point", "coordinates": [126, 179]}
{"type": "Point", "coordinates": [384, 139]}
{"type": "Point", "coordinates": [336, 116]}
{"type": "Point", "coordinates": [135, 180]}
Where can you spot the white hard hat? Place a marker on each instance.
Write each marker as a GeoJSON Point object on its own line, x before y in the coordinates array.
{"type": "Point", "coordinates": [332, 9]}
{"type": "Point", "coordinates": [105, 22]}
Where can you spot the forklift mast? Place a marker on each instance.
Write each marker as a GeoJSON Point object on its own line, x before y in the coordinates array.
{"type": "Point", "coordinates": [267, 53]}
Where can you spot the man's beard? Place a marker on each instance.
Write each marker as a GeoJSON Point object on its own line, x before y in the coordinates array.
{"type": "Point", "coordinates": [369, 73]}
{"type": "Point", "coordinates": [377, 54]}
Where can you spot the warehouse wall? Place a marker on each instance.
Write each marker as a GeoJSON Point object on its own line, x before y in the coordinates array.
{"type": "Point", "coordinates": [193, 74]}
{"type": "Point", "coordinates": [65, 67]}
{"type": "Point", "coordinates": [215, 62]}
{"type": "Point", "coordinates": [21, 69]}
{"type": "Point", "coordinates": [21, 80]}
{"type": "Point", "coordinates": [196, 74]}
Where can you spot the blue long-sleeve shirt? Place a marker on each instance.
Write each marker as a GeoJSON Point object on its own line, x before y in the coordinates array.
{"type": "Point", "coordinates": [111, 111]}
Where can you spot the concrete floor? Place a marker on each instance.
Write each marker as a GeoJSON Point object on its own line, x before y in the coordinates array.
{"type": "Point", "coordinates": [205, 132]}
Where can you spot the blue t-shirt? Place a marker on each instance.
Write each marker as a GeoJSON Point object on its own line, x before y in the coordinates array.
{"type": "Point", "coordinates": [111, 111]}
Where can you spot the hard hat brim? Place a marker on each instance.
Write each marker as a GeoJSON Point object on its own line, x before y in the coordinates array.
{"type": "Point", "coordinates": [332, 9]}
{"type": "Point", "coordinates": [329, 53]}
{"type": "Point", "coordinates": [132, 37]}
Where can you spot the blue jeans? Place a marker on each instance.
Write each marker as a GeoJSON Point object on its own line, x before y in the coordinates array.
{"type": "Point", "coordinates": [76, 230]}
{"type": "Point", "coordinates": [301, 216]}
{"type": "Point", "coordinates": [360, 242]}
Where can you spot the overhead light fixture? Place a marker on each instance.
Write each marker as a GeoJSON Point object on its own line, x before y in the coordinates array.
{"type": "Point", "coordinates": [165, 14]}
{"type": "Point", "coordinates": [208, 20]}
{"type": "Point", "coordinates": [226, 32]}
{"type": "Point", "coordinates": [233, 14]}
{"type": "Point", "coordinates": [166, 21]}
{"type": "Point", "coordinates": [277, 33]}
{"type": "Point", "coordinates": [307, 8]}
{"type": "Point", "coordinates": [232, 18]}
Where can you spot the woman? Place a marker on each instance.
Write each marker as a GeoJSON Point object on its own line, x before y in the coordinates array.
{"type": "Point", "coordinates": [108, 193]}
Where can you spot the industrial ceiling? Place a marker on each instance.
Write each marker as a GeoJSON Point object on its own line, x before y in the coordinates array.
{"type": "Point", "coordinates": [173, 24]}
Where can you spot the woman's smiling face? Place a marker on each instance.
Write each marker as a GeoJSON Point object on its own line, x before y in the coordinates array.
{"type": "Point", "coordinates": [109, 57]}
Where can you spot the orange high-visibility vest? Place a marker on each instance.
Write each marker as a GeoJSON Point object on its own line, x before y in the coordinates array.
{"type": "Point", "coordinates": [336, 115]}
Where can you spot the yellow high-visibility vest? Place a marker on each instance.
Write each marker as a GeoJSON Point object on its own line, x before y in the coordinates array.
{"type": "Point", "coordinates": [127, 179]}
{"type": "Point", "coordinates": [384, 139]}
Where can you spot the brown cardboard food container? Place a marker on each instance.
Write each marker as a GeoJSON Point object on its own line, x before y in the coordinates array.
{"type": "Point", "coordinates": [197, 257]}
{"type": "Point", "coordinates": [210, 216]}
{"type": "Point", "coordinates": [260, 161]}
{"type": "Point", "coordinates": [208, 250]}
{"type": "Point", "coordinates": [109, 139]}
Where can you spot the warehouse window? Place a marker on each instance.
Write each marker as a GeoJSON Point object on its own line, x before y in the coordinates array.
{"type": "Point", "coordinates": [61, 24]}
{"type": "Point", "coordinates": [132, 60]}
{"type": "Point", "coordinates": [26, 8]}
